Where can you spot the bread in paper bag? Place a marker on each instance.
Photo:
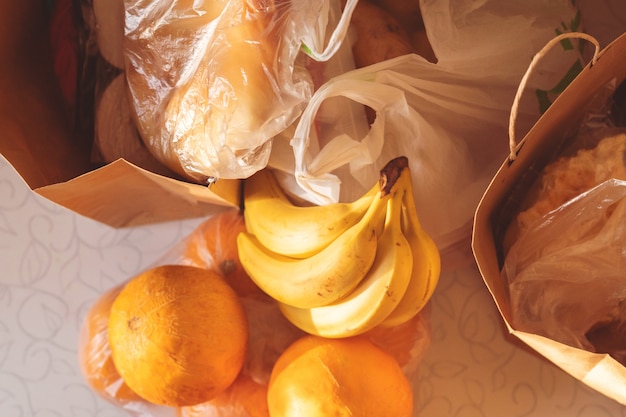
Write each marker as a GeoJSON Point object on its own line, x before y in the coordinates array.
{"type": "Point", "coordinates": [558, 279]}
{"type": "Point", "coordinates": [570, 176]}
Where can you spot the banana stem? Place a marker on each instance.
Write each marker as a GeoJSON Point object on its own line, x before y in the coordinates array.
{"type": "Point", "coordinates": [390, 173]}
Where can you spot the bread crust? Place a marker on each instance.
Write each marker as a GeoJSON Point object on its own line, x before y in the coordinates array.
{"type": "Point", "coordinates": [568, 177]}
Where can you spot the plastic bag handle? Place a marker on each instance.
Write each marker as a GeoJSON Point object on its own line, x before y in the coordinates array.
{"type": "Point", "coordinates": [513, 145]}
{"type": "Point", "coordinates": [339, 33]}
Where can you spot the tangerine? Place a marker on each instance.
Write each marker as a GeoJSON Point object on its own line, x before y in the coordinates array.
{"type": "Point", "coordinates": [94, 352]}
{"type": "Point", "coordinates": [406, 342]}
{"type": "Point", "coordinates": [178, 334]}
{"type": "Point", "coordinates": [244, 398]}
{"type": "Point", "coordinates": [213, 245]}
{"type": "Point", "coordinates": [351, 377]}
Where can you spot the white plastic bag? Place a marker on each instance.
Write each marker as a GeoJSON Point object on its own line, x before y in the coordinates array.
{"type": "Point", "coordinates": [449, 118]}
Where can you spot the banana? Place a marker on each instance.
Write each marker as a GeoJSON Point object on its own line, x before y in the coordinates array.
{"type": "Point", "coordinates": [378, 293]}
{"type": "Point", "coordinates": [291, 230]}
{"type": "Point", "coordinates": [426, 265]}
{"type": "Point", "coordinates": [323, 277]}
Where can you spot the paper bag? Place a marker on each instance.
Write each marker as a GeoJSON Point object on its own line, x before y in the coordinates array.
{"type": "Point", "coordinates": [38, 139]}
{"type": "Point", "coordinates": [505, 192]}
{"type": "Point", "coordinates": [120, 184]}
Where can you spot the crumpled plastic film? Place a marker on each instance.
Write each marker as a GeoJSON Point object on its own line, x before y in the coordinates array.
{"type": "Point", "coordinates": [212, 82]}
{"type": "Point", "coordinates": [449, 118]}
{"type": "Point", "coordinates": [566, 272]}
{"type": "Point", "coordinates": [212, 245]}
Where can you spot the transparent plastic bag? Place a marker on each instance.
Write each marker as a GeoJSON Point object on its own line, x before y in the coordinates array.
{"type": "Point", "coordinates": [566, 272]}
{"type": "Point", "coordinates": [212, 245]}
{"type": "Point", "coordinates": [564, 260]}
{"type": "Point", "coordinates": [96, 362]}
{"type": "Point", "coordinates": [212, 82]}
{"type": "Point", "coordinates": [446, 117]}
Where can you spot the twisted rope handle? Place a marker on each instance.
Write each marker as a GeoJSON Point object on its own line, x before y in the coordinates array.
{"type": "Point", "coordinates": [513, 145]}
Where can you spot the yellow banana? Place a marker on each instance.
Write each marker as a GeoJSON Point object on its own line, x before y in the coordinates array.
{"type": "Point", "coordinates": [323, 277]}
{"type": "Point", "coordinates": [291, 230]}
{"type": "Point", "coordinates": [379, 292]}
{"type": "Point", "coordinates": [426, 265]}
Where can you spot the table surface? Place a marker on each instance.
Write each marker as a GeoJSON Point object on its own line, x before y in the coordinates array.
{"type": "Point", "coordinates": [55, 263]}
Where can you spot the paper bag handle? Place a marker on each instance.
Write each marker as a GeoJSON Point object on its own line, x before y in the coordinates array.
{"type": "Point", "coordinates": [513, 145]}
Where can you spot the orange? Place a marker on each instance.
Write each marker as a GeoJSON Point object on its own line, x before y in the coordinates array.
{"type": "Point", "coordinates": [351, 377]}
{"type": "Point", "coordinates": [94, 352]}
{"type": "Point", "coordinates": [213, 245]}
{"type": "Point", "coordinates": [244, 398]}
{"type": "Point", "coordinates": [178, 335]}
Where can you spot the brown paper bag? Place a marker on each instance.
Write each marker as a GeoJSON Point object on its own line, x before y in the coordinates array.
{"type": "Point", "coordinates": [504, 194]}
{"type": "Point", "coordinates": [38, 140]}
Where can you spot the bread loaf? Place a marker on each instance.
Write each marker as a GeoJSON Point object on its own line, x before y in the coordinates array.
{"type": "Point", "coordinates": [115, 133]}
{"type": "Point", "coordinates": [203, 83]}
{"type": "Point", "coordinates": [568, 177]}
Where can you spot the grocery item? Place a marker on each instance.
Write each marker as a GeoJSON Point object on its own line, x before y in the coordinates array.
{"type": "Point", "coordinates": [378, 35]}
{"type": "Point", "coordinates": [178, 335]}
{"type": "Point", "coordinates": [294, 230]}
{"type": "Point", "coordinates": [325, 294]}
{"type": "Point", "coordinates": [326, 275]}
{"type": "Point", "coordinates": [115, 134]}
{"type": "Point", "coordinates": [94, 352]}
{"type": "Point", "coordinates": [417, 100]}
{"type": "Point", "coordinates": [426, 264]}
{"type": "Point", "coordinates": [558, 285]}
{"type": "Point", "coordinates": [213, 245]}
{"type": "Point", "coordinates": [352, 377]}
{"type": "Point", "coordinates": [377, 294]}
{"type": "Point", "coordinates": [406, 342]}
{"type": "Point", "coordinates": [210, 108]}
{"type": "Point", "coordinates": [564, 248]}
{"type": "Point", "coordinates": [243, 398]}
{"type": "Point", "coordinates": [570, 176]}
{"type": "Point", "coordinates": [565, 274]}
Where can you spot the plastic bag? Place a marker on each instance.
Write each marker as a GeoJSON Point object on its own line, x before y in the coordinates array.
{"type": "Point", "coordinates": [564, 259]}
{"type": "Point", "coordinates": [212, 245]}
{"type": "Point", "coordinates": [447, 117]}
{"type": "Point", "coordinates": [96, 363]}
{"type": "Point", "coordinates": [566, 272]}
{"type": "Point", "coordinates": [212, 83]}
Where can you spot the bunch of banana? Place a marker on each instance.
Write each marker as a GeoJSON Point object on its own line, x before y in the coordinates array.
{"type": "Point", "coordinates": [307, 256]}
{"type": "Point", "coordinates": [292, 230]}
{"type": "Point", "coordinates": [341, 269]}
{"type": "Point", "coordinates": [426, 265]}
